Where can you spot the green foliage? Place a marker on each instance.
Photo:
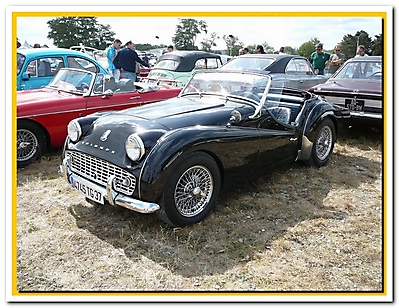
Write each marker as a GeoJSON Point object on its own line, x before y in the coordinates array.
{"type": "Point", "coordinates": [308, 47]}
{"type": "Point", "coordinates": [71, 31]}
{"type": "Point", "coordinates": [233, 44]}
{"type": "Point", "coordinates": [350, 42]}
{"type": "Point", "coordinates": [290, 51]}
{"type": "Point", "coordinates": [208, 43]}
{"type": "Point", "coordinates": [377, 45]}
{"type": "Point", "coordinates": [187, 32]}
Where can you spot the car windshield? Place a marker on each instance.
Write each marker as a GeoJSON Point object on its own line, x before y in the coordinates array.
{"type": "Point", "coordinates": [240, 63]}
{"type": "Point", "coordinates": [20, 61]}
{"type": "Point", "coordinates": [248, 86]}
{"type": "Point", "coordinates": [73, 81]}
{"type": "Point", "coordinates": [360, 70]}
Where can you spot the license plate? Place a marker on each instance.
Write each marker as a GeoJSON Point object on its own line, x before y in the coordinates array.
{"type": "Point", "coordinates": [87, 189]}
{"type": "Point", "coordinates": [354, 104]}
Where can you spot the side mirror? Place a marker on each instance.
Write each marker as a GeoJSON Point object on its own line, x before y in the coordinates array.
{"type": "Point", "coordinates": [25, 76]}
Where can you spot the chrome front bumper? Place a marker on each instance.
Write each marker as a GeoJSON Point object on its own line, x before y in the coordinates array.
{"type": "Point", "coordinates": [109, 193]}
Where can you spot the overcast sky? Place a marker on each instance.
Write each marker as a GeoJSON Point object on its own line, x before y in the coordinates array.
{"type": "Point", "coordinates": [276, 31]}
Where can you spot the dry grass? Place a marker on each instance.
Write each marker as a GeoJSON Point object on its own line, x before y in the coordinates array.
{"type": "Point", "coordinates": [298, 229]}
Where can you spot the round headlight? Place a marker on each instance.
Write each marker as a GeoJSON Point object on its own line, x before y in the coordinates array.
{"type": "Point", "coordinates": [134, 147]}
{"type": "Point", "coordinates": [74, 130]}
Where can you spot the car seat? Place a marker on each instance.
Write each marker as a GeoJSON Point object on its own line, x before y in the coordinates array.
{"type": "Point", "coordinates": [44, 69]}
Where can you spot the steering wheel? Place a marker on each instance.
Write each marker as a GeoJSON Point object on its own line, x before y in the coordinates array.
{"type": "Point", "coordinates": [249, 95]}
{"type": "Point", "coordinates": [375, 75]}
{"type": "Point", "coordinates": [85, 87]}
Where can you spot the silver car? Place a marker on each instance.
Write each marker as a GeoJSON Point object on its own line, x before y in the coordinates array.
{"type": "Point", "coordinates": [292, 70]}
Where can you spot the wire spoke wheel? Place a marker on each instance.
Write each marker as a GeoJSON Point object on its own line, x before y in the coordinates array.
{"type": "Point", "coordinates": [193, 191]}
{"type": "Point", "coordinates": [27, 145]}
{"type": "Point", "coordinates": [324, 143]}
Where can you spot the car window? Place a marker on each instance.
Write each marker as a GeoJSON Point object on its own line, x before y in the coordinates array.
{"type": "Point", "coordinates": [298, 67]}
{"type": "Point", "coordinates": [239, 63]}
{"type": "Point", "coordinates": [81, 63]}
{"type": "Point", "coordinates": [43, 67]}
{"type": "Point", "coordinates": [206, 63]}
{"type": "Point", "coordinates": [360, 70]}
{"type": "Point", "coordinates": [167, 64]}
{"type": "Point", "coordinates": [20, 62]}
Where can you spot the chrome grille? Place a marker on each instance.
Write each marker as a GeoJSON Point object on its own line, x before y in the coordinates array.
{"type": "Point", "coordinates": [99, 171]}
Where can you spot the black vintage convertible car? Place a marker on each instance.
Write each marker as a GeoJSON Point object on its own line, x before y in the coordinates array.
{"type": "Point", "coordinates": [172, 157]}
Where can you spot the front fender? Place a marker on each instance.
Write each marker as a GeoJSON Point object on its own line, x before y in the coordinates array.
{"type": "Point", "coordinates": [218, 141]}
{"type": "Point", "coordinates": [316, 115]}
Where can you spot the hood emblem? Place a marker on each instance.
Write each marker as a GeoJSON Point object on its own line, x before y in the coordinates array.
{"type": "Point", "coordinates": [104, 136]}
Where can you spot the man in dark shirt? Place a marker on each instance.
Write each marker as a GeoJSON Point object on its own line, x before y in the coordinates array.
{"type": "Point", "coordinates": [126, 60]}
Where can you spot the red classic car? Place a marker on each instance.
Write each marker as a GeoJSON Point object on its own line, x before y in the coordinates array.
{"type": "Point", "coordinates": [357, 85]}
{"type": "Point", "coordinates": [43, 114]}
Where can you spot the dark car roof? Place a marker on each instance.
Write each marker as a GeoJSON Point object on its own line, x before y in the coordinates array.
{"type": "Point", "coordinates": [187, 58]}
{"type": "Point", "coordinates": [279, 64]}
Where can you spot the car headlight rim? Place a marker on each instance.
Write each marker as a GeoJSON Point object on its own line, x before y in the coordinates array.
{"type": "Point", "coordinates": [134, 146]}
{"type": "Point", "coordinates": [74, 131]}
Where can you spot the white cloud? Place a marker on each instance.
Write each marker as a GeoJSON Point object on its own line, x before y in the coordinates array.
{"type": "Point", "coordinates": [276, 31]}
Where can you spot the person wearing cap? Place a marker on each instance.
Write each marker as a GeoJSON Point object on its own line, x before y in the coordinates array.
{"type": "Point", "coordinates": [319, 58]}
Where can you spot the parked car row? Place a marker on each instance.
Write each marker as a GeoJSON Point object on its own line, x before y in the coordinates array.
{"type": "Point", "coordinates": [43, 114]}
{"type": "Point", "coordinates": [167, 144]}
{"type": "Point", "coordinates": [36, 67]}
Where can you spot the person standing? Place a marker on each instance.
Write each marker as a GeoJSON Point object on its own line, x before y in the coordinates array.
{"type": "Point", "coordinates": [112, 51]}
{"type": "Point", "coordinates": [170, 48]}
{"type": "Point", "coordinates": [336, 60]}
{"type": "Point", "coordinates": [319, 58]}
{"type": "Point", "coordinates": [281, 51]}
{"type": "Point", "coordinates": [127, 59]}
{"type": "Point", "coordinates": [259, 49]}
{"type": "Point", "coordinates": [361, 52]}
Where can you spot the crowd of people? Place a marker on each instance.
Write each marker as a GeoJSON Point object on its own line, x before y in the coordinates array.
{"type": "Point", "coordinates": [319, 59]}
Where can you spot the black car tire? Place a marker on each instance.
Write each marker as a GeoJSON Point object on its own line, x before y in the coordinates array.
{"type": "Point", "coordinates": [191, 192]}
{"type": "Point", "coordinates": [323, 144]}
{"type": "Point", "coordinates": [31, 143]}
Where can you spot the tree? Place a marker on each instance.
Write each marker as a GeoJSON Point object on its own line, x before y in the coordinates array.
{"type": "Point", "coordinates": [233, 44]}
{"type": "Point", "coordinates": [290, 51]}
{"type": "Point", "coordinates": [71, 31]}
{"type": "Point", "coordinates": [187, 32]}
{"type": "Point", "coordinates": [308, 47]}
{"type": "Point", "coordinates": [350, 42]}
{"type": "Point", "coordinates": [377, 45]}
{"type": "Point", "coordinates": [208, 43]}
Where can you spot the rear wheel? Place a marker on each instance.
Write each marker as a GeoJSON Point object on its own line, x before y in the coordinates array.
{"type": "Point", "coordinates": [31, 143]}
{"type": "Point", "coordinates": [191, 192]}
{"type": "Point", "coordinates": [323, 145]}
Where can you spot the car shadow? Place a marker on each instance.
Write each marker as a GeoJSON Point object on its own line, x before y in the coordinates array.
{"type": "Point", "coordinates": [250, 214]}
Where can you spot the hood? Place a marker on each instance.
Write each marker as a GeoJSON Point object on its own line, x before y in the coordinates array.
{"type": "Point", "coordinates": [152, 121]}
{"type": "Point", "coordinates": [181, 111]}
{"type": "Point", "coordinates": [372, 87]}
{"type": "Point", "coordinates": [39, 95]}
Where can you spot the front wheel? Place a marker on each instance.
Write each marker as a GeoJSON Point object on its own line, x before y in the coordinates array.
{"type": "Point", "coordinates": [191, 192]}
{"type": "Point", "coordinates": [31, 143]}
{"type": "Point", "coordinates": [323, 145]}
